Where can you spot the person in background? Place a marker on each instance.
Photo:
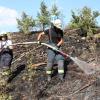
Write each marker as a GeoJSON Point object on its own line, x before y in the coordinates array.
{"type": "Point", "coordinates": [55, 38]}
{"type": "Point", "coordinates": [6, 56]}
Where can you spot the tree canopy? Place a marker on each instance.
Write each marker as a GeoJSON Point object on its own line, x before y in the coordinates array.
{"type": "Point", "coordinates": [55, 11]}
{"type": "Point", "coordinates": [85, 19]}
{"type": "Point", "coordinates": [26, 23]}
{"type": "Point", "coordinates": [43, 16]}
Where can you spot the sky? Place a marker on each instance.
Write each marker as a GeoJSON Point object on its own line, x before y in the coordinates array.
{"type": "Point", "coordinates": [12, 9]}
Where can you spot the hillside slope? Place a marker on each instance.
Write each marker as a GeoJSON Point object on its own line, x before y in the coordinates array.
{"type": "Point", "coordinates": [29, 82]}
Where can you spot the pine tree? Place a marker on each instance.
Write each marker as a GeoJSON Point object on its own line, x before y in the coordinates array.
{"type": "Point", "coordinates": [43, 15]}
{"type": "Point", "coordinates": [26, 23]}
{"type": "Point", "coordinates": [55, 11]}
{"type": "Point", "coordinates": [85, 19]}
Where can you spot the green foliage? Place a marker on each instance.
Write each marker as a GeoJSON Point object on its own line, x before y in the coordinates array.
{"type": "Point", "coordinates": [43, 16]}
{"type": "Point", "coordinates": [55, 11]}
{"type": "Point", "coordinates": [26, 23]}
{"type": "Point", "coordinates": [85, 19]}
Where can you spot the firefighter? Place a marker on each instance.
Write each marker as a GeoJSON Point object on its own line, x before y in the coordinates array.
{"type": "Point", "coordinates": [6, 56]}
{"type": "Point", "coordinates": [55, 39]}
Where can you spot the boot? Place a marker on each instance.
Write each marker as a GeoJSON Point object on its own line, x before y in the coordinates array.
{"type": "Point", "coordinates": [49, 78]}
{"type": "Point", "coordinates": [61, 77]}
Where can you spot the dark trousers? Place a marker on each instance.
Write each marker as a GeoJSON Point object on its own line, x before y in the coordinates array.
{"type": "Point", "coordinates": [53, 57]}
{"type": "Point", "coordinates": [5, 63]}
{"type": "Point", "coordinates": [5, 60]}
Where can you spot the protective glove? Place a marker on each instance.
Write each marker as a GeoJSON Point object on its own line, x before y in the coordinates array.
{"type": "Point", "coordinates": [58, 46]}
{"type": "Point", "coordinates": [55, 48]}
{"type": "Point", "coordinates": [39, 42]}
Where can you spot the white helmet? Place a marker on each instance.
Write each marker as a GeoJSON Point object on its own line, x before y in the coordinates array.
{"type": "Point", "coordinates": [58, 23]}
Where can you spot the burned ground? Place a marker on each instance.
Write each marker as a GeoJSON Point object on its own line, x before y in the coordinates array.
{"type": "Point", "coordinates": [29, 82]}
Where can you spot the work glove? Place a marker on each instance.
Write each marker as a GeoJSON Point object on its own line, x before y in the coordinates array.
{"type": "Point", "coordinates": [56, 48]}
{"type": "Point", "coordinates": [39, 42]}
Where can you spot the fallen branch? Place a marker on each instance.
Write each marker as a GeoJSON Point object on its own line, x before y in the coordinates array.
{"type": "Point", "coordinates": [82, 88]}
{"type": "Point", "coordinates": [37, 65]}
